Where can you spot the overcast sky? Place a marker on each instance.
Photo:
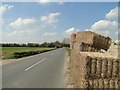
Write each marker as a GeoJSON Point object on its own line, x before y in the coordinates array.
{"type": "Point", "coordinates": [24, 22]}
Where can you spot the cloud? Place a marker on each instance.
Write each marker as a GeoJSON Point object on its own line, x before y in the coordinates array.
{"type": "Point", "coordinates": [21, 36]}
{"type": "Point", "coordinates": [24, 30]}
{"type": "Point", "coordinates": [4, 8]}
{"type": "Point", "coordinates": [117, 32]}
{"type": "Point", "coordinates": [21, 30]}
{"type": "Point", "coordinates": [69, 31]}
{"type": "Point", "coordinates": [50, 34]}
{"type": "Point", "coordinates": [60, 2]}
{"type": "Point", "coordinates": [113, 14]}
{"type": "Point", "coordinates": [22, 33]}
{"type": "Point", "coordinates": [108, 27]}
{"type": "Point", "coordinates": [104, 27]}
{"type": "Point", "coordinates": [43, 1]}
{"type": "Point", "coordinates": [50, 19]}
{"type": "Point", "coordinates": [22, 23]}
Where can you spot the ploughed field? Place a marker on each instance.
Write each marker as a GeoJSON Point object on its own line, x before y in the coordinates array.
{"type": "Point", "coordinates": [18, 52]}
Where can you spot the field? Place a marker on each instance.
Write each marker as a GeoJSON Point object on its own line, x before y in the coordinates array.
{"type": "Point", "coordinates": [7, 51]}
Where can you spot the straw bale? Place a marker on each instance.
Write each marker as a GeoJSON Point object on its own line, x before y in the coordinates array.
{"type": "Point", "coordinates": [93, 68]}
{"type": "Point", "coordinates": [115, 72]}
{"type": "Point", "coordinates": [110, 67]}
{"type": "Point", "coordinates": [106, 83]}
{"type": "Point", "coordinates": [112, 83]}
{"type": "Point", "coordinates": [104, 68]}
{"type": "Point", "coordinates": [101, 83]}
{"type": "Point", "coordinates": [99, 67]}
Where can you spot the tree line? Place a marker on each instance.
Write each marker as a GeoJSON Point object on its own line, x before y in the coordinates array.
{"type": "Point", "coordinates": [55, 44]}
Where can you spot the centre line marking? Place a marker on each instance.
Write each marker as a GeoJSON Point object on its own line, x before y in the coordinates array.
{"type": "Point", "coordinates": [35, 64]}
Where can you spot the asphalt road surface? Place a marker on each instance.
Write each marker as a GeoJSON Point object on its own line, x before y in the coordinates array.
{"type": "Point", "coordinates": [44, 70]}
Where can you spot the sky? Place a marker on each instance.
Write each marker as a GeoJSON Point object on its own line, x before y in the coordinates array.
{"type": "Point", "coordinates": [37, 22]}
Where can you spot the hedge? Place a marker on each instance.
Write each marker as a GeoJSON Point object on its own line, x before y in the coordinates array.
{"type": "Point", "coordinates": [27, 53]}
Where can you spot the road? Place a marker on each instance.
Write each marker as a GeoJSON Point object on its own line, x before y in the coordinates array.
{"type": "Point", "coordinates": [44, 70]}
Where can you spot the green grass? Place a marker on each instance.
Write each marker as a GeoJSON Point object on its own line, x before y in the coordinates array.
{"type": "Point", "coordinates": [7, 51]}
{"type": "Point", "coordinates": [69, 51]}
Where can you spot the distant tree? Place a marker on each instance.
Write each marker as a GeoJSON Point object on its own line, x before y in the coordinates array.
{"type": "Point", "coordinates": [56, 44]}
{"type": "Point", "coordinates": [23, 45]}
{"type": "Point", "coordinates": [66, 40]}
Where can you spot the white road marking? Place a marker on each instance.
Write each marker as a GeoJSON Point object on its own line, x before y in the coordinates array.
{"type": "Point", "coordinates": [52, 54]}
{"type": "Point", "coordinates": [35, 64]}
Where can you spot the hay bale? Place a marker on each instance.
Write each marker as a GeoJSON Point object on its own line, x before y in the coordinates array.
{"type": "Point", "coordinates": [89, 48]}
{"type": "Point", "coordinates": [101, 83]}
{"type": "Point", "coordinates": [99, 67]}
{"type": "Point", "coordinates": [110, 67]}
{"type": "Point", "coordinates": [92, 49]}
{"type": "Point", "coordinates": [115, 73]}
{"type": "Point", "coordinates": [104, 68]}
{"type": "Point", "coordinates": [106, 83]}
{"type": "Point", "coordinates": [116, 84]}
{"type": "Point", "coordinates": [87, 84]}
{"type": "Point", "coordinates": [119, 71]}
{"type": "Point", "coordinates": [93, 67]}
{"type": "Point", "coordinates": [91, 84]}
{"type": "Point", "coordinates": [81, 46]}
{"type": "Point", "coordinates": [95, 84]}
{"type": "Point", "coordinates": [112, 83]}
{"type": "Point", "coordinates": [85, 46]}
{"type": "Point", "coordinates": [80, 69]}
{"type": "Point", "coordinates": [88, 67]}
{"type": "Point", "coordinates": [96, 49]}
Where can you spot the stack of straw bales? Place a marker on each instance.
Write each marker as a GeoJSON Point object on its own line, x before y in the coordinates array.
{"type": "Point", "coordinates": [95, 70]}
{"type": "Point", "coordinates": [96, 41]}
{"type": "Point", "coordinates": [89, 67]}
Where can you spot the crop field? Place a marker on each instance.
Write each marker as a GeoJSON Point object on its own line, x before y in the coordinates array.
{"type": "Point", "coordinates": [7, 51]}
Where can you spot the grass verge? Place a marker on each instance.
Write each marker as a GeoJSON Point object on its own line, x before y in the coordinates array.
{"type": "Point", "coordinates": [69, 51]}
{"type": "Point", "coordinates": [18, 52]}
